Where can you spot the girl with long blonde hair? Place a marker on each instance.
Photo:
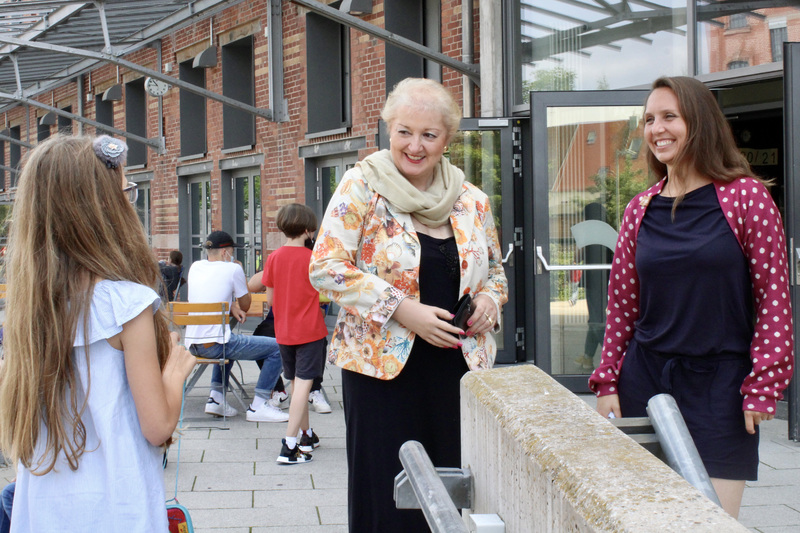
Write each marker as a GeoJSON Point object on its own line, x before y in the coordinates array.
{"type": "Point", "coordinates": [90, 388]}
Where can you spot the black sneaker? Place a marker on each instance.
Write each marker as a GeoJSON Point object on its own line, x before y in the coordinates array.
{"type": "Point", "coordinates": [293, 456]}
{"type": "Point", "coordinates": [307, 444]}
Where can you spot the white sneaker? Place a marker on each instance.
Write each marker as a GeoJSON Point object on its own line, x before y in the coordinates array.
{"type": "Point", "coordinates": [266, 413]}
{"type": "Point", "coordinates": [279, 400]}
{"type": "Point", "coordinates": [213, 407]}
{"type": "Point", "coordinates": [318, 402]}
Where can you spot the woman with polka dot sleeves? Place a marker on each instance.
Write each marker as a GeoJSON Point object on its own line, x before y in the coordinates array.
{"type": "Point", "coordinates": [698, 298]}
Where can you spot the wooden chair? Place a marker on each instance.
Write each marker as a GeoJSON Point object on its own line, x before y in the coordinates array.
{"type": "Point", "coordinates": [205, 314]}
{"type": "Point", "coordinates": [258, 307]}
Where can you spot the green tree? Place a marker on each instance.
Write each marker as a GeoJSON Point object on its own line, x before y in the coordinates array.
{"type": "Point", "coordinates": [556, 79]}
{"type": "Point", "coordinates": [481, 165]}
{"type": "Point", "coordinates": [617, 188]}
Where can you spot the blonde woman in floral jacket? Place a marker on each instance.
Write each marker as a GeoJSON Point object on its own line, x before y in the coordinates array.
{"type": "Point", "coordinates": [403, 238]}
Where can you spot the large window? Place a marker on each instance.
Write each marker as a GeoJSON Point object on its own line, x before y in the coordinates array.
{"type": "Point", "coordinates": [3, 164]}
{"type": "Point", "coordinates": [136, 121]}
{"type": "Point", "coordinates": [192, 111]}
{"type": "Point", "coordinates": [418, 20]}
{"type": "Point", "coordinates": [14, 152]}
{"type": "Point", "coordinates": [104, 113]}
{"type": "Point", "coordinates": [238, 81]}
{"type": "Point", "coordinates": [65, 123]}
{"type": "Point", "coordinates": [328, 82]}
{"type": "Point", "coordinates": [42, 131]}
{"type": "Point", "coordinates": [777, 36]}
{"type": "Point", "coordinates": [564, 45]}
{"type": "Point", "coordinates": [726, 35]}
{"type": "Point", "coordinates": [143, 206]}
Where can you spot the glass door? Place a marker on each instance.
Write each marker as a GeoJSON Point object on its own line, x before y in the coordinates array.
{"type": "Point", "coordinates": [791, 121]}
{"type": "Point", "coordinates": [247, 219]}
{"type": "Point", "coordinates": [588, 162]}
{"type": "Point", "coordinates": [488, 150]}
{"type": "Point", "coordinates": [329, 172]}
{"type": "Point", "coordinates": [194, 206]}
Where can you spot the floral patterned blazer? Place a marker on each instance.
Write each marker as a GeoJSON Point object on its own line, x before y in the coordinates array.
{"type": "Point", "coordinates": [366, 259]}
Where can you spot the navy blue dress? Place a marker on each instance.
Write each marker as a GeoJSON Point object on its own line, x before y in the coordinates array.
{"type": "Point", "coordinates": [692, 338]}
{"type": "Point", "coordinates": [422, 403]}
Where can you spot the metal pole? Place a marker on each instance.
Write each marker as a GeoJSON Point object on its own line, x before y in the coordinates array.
{"type": "Point", "coordinates": [438, 508]}
{"type": "Point", "coordinates": [677, 444]}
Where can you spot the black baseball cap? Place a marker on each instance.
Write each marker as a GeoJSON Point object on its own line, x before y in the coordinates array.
{"type": "Point", "coordinates": [219, 239]}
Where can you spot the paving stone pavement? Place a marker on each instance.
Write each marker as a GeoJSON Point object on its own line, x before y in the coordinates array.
{"type": "Point", "coordinates": [229, 479]}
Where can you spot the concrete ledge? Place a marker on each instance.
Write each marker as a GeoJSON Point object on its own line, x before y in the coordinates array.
{"type": "Point", "coordinates": [544, 461]}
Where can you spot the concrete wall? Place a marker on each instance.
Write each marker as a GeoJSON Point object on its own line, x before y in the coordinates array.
{"type": "Point", "coordinates": [546, 462]}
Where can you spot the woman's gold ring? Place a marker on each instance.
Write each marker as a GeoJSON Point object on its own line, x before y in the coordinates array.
{"type": "Point", "coordinates": [490, 319]}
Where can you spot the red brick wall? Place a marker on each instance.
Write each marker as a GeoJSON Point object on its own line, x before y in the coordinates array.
{"type": "Point", "coordinates": [282, 172]}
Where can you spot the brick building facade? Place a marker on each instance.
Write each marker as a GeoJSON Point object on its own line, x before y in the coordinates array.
{"type": "Point", "coordinates": [274, 153]}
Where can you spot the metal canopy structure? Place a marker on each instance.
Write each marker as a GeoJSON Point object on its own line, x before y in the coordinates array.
{"type": "Point", "coordinates": [606, 22]}
{"type": "Point", "coordinates": [45, 44]}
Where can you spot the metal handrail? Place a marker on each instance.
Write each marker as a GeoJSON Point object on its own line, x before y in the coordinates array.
{"type": "Point", "coordinates": [677, 444]}
{"type": "Point", "coordinates": [434, 500]}
{"type": "Point", "coordinates": [551, 268]}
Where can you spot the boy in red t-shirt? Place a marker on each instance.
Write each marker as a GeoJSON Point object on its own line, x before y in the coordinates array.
{"type": "Point", "coordinates": [299, 325]}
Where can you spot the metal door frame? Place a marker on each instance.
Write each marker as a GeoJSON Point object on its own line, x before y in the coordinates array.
{"type": "Point", "coordinates": [791, 138]}
{"type": "Point", "coordinates": [536, 219]}
{"type": "Point", "coordinates": [511, 134]}
{"type": "Point", "coordinates": [254, 174]}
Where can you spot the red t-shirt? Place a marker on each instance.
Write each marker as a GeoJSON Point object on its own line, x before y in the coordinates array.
{"type": "Point", "coordinates": [295, 303]}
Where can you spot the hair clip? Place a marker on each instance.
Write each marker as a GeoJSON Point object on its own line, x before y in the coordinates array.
{"type": "Point", "coordinates": [111, 151]}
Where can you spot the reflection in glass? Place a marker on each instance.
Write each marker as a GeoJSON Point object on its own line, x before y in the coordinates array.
{"type": "Point", "coordinates": [477, 153]}
{"type": "Point", "coordinates": [199, 216]}
{"type": "Point", "coordinates": [247, 220]}
{"type": "Point", "coordinates": [142, 206]}
{"type": "Point", "coordinates": [731, 36]}
{"type": "Point", "coordinates": [596, 165]}
{"type": "Point", "coordinates": [565, 45]}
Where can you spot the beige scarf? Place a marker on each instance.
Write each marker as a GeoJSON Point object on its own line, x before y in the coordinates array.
{"type": "Point", "coordinates": [431, 207]}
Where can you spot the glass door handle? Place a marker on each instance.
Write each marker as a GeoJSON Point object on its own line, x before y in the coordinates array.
{"type": "Point", "coordinates": [544, 265]}
{"type": "Point", "coordinates": [508, 254]}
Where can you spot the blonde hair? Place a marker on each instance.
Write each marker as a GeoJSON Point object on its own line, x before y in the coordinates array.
{"type": "Point", "coordinates": [424, 94]}
{"type": "Point", "coordinates": [72, 226]}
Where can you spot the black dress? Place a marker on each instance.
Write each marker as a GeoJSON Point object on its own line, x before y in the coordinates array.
{"type": "Point", "coordinates": [422, 403]}
{"type": "Point", "coordinates": [692, 338]}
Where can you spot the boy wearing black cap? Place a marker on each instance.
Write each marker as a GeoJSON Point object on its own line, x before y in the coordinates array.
{"type": "Point", "coordinates": [220, 279]}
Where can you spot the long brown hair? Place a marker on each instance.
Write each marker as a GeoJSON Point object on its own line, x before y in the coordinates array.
{"type": "Point", "coordinates": [710, 147]}
{"type": "Point", "coordinates": [71, 226]}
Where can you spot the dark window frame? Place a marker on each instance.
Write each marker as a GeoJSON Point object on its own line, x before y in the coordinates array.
{"type": "Point", "coordinates": [14, 152]}
{"type": "Point", "coordinates": [136, 121]}
{"type": "Point", "coordinates": [192, 111]}
{"type": "Point", "coordinates": [103, 113]}
{"type": "Point", "coordinates": [327, 77]}
{"type": "Point", "coordinates": [778, 36]}
{"type": "Point", "coordinates": [238, 82]}
{"type": "Point", "coordinates": [65, 123]}
{"type": "Point", "coordinates": [737, 21]}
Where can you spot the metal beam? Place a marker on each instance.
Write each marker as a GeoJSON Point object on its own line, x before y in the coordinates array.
{"type": "Point", "coordinates": [154, 143]}
{"type": "Point", "coordinates": [471, 71]}
{"type": "Point", "coordinates": [102, 56]}
{"type": "Point", "coordinates": [9, 169]}
{"type": "Point", "coordinates": [20, 142]}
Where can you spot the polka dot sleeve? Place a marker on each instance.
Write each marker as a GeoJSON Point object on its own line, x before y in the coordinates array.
{"type": "Point", "coordinates": [754, 218]}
